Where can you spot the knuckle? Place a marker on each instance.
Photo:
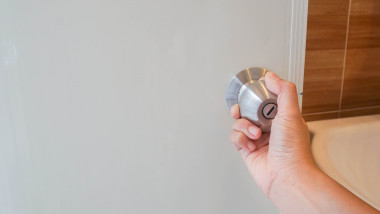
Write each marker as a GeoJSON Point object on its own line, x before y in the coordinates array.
{"type": "Point", "coordinates": [237, 139]}
{"type": "Point", "coordinates": [290, 85]}
{"type": "Point", "coordinates": [240, 138]}
{"type": "Point", "coordinates": [236, 124]}
{"type": "Point", "coordinates": [242, 124]}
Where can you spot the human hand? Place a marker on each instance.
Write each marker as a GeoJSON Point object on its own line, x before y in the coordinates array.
{"type": "Point", "coordinates": [274, 157]}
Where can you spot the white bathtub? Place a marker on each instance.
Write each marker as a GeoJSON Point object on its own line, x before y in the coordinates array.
{"type": "Point", "coordinates": [348, 150]}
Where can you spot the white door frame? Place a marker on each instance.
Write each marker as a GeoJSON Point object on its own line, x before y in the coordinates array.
{"type": "Point", "coordinates": [298, 28]}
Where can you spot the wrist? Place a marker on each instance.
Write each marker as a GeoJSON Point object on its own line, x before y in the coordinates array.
{"type": "Point", "coordinates": [293, 193]}
{"type": "Point", "coordinates": [309, 190]}
{"type": "Point", "coordinates": [292, 179]}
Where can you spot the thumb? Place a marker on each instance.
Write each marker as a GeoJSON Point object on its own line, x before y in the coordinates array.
{"type": "Point", "coordinates": [287, 99]}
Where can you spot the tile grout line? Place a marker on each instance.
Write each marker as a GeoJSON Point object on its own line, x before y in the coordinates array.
{"type": "Point", "coordinates": [361, 108]}
{"type": "Point", "coordinates": [345, 110]}
{"type": "Point", "coordinates": [344, 58]}
{"type": "Point", "coordinates": [321, 112]}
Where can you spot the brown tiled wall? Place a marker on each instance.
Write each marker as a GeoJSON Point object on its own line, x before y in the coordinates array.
{"type": "Point", "coordinates": [342, 62]}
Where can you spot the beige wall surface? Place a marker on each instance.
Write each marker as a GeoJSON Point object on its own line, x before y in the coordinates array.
{"type": "Point", "coordinates": [118, 106]}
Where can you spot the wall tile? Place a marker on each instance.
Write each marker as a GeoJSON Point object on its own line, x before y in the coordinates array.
{"type": "Point", "coordinates": [361, 78]}
{"type": "Point", "coordinates": [364, 7]}
{"type": "Point", "coordinates": [328, 7]}
{"type": "Point", "coordinates": [364, 31]}
{"type": "Point", "coordinates": [325, 49]}
{"type": "Point", "coordinates": [322, 80]}
{"type": "Point", "coordinates": [326, 32]}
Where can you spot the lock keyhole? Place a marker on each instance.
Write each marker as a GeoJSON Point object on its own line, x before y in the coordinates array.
{"type": "Point", "coordinates": [270, 110]}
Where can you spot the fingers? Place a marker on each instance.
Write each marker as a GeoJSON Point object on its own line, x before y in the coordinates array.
{"type": "Point", "coordinates": [235, 111]}
{"type": "Point", "coordinates": [286, 91]}
{"type": "Point", "coordinates": [241, 141]}
{"type": "Point", "coordinates": [244, 132]}
{"type": "Point", "coordinates": [247, 146]}
{"type": "Point", "coordinates": [251, 131]}
{"type": "Point", "coordinates": [263, 141]}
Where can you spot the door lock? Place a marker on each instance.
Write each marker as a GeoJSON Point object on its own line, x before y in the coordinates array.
{"type": "Point", "coordinates": [256, 102]}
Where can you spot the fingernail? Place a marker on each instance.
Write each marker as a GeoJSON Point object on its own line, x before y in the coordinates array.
{"type": "Point", "coordinates": [253, 130]}
{"type": "Point", "coordinates": [251, 146]}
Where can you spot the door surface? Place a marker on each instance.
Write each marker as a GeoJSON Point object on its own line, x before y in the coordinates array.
{"type": "Point", "coordinates": [118, 106]}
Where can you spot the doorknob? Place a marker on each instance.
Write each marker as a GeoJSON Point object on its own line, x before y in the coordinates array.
{"type": "Point", "coordinates": [256, 102]}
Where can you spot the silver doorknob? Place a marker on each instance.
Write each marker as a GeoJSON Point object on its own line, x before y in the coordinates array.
{"type": "Point", "coordinates": [256, 102]}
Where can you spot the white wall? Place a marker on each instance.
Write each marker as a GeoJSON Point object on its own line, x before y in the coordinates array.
{"type": "Point", "coordinates": [118, 106]}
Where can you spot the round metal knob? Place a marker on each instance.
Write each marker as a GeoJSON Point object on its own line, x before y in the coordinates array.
{"type": "Point", "coordinates": [256, 102]}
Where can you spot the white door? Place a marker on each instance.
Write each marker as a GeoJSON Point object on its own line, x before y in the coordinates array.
{"type": "Point", "coordinates": [118, 106]}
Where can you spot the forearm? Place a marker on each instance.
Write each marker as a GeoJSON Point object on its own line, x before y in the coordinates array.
{"type": "Point", "coordinates": [311, 191]}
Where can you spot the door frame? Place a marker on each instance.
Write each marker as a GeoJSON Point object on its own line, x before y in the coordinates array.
{"type": "Point", "coordinates": [297, 26]}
